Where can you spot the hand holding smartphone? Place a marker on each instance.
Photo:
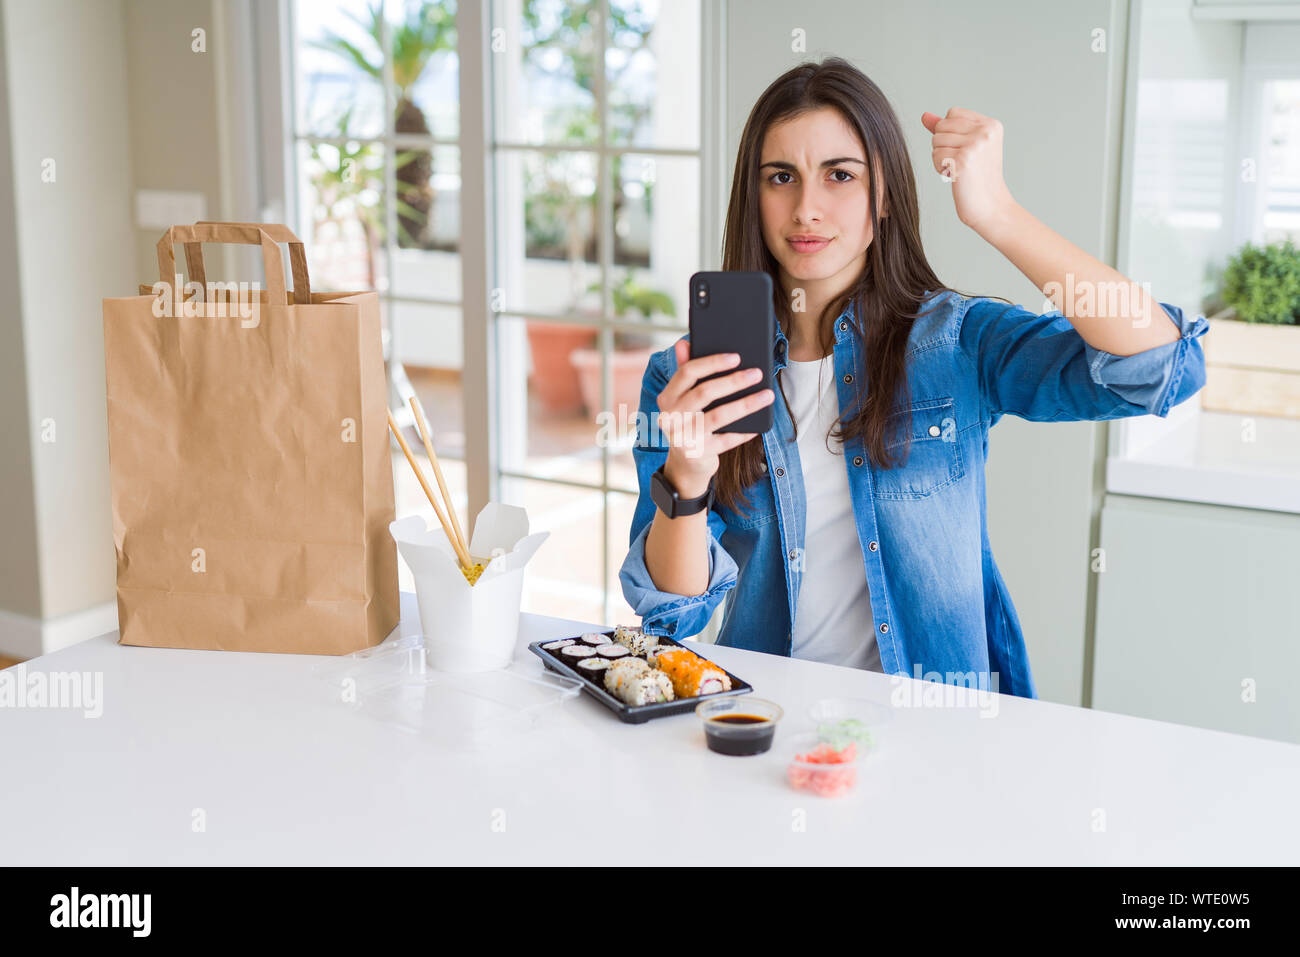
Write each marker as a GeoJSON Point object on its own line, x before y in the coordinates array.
{"type": "Point", "coordinates": [732, 312]}
{"type": "Point", "coordinates": [721, 394]}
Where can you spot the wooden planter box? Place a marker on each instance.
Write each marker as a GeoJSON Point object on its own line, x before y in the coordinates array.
{"type": "Point", "coordinates": [1251, 368]}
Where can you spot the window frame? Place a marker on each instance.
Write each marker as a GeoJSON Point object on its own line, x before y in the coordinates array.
{"type": "Point", "coordinates": [1125, 472]}
{"type": "Point", "coordinates": [1259, 39]}
{"type": "Point", "coordinates": [483, 224]}
{"type": "Point", "coordinates": [486, 475]}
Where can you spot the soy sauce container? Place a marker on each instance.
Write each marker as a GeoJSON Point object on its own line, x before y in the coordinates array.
{"type": "Point", "coordinates": [739, 726]}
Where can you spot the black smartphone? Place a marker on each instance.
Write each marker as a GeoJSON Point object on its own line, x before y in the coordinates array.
{"type": "Point", "coordinates": [732, 312]}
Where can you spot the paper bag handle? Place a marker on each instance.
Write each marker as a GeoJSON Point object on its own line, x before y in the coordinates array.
{"type": "Point", "coordinates": [248, 234]}
{"type": "Point", "coordinates": [279, 233]}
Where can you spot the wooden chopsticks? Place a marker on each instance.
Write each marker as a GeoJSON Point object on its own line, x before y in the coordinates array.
{"type": "Point", "coordinates": [426, 436]}
{"type": "Point", "coordinates": [450, 526]}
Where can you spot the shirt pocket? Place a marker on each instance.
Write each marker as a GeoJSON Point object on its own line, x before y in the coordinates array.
{"type": "Point", "coordinates": [934, 461]}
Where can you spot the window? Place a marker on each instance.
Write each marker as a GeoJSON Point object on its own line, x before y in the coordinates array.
{"type": "Point", "coordinates": [597, 191]}
{"type": "Point", "coordinates": [596, 161]}
{"type": "Point", "coordinates": [376, 166]}
{"type": "Point", "coordinates": [1275, 216]}
{"type": "Point", "coordinates": [1212, 161]}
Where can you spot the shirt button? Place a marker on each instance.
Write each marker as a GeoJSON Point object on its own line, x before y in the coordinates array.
{"type": "Point", "coordinates": [872, 545]}
{"type": "Point", "coordinates": [857, 460]}
{"type": "Point", "coordinates": [848, 377]}
{"type": "Point", "coordinates": [780, 471]}
{"type": "Point", "coordinates": [884, 627]}
{"type": "Point", "coordinates": [844, 327]}
{"type": "Point", "coordinates": [934, 430]}
{"type": "Point", "coordinates": [793, 554]}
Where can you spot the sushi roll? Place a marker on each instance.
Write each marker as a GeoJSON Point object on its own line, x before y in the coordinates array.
{"type": "Point", "coordinates": [596, 638]}
{"type": "Point", "coordinates": [691, 675]}
{"type": "Point", "coordinates": [613, 651]}
{"type": "Point", "coordinates": [593, 668]}
{"type": "Point", "coordinates": [575, 651]}
{"type": "Point", "coordinates": [630, 664]}
{"type": "Point", "coordinates": [622, 670]}
{"type": "Point", "coordinates": [634, 639]}
{"type": "Point", "coordinates": [653, 654]}
{"type": "Point", "coordinates": [648, 687]}
{"type": "Point", "coordinates": [557, 645]}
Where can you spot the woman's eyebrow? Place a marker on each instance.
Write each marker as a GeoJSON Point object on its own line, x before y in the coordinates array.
{"type": "Point", "coordinates": [781, 164]}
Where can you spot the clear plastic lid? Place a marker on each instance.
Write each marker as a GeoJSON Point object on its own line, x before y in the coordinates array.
{"type": "Point", "coordinates": [394, 684]}
{"type": "Point", "coordinates": [840, 720]}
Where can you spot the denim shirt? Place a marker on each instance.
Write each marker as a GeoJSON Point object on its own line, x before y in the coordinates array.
{"type": "Point", "coordinates": [938, 601]}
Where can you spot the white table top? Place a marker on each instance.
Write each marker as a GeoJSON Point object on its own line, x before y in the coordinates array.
{"type": "Point", "coordinates": [284, 778]}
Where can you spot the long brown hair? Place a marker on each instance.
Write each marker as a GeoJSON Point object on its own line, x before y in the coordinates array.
{"type": "Point", "coordinates": [893, 283]}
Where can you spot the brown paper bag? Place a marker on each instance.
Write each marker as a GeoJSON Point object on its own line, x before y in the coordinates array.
{"type": "Point", "coordinates": [251, 475]}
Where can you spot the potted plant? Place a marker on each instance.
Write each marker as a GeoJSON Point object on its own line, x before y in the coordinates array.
{"type": "Point", "coordinates": [427, 28]}
{"type": "Point", "coordinates": [632, 350]}
{"type": "Point", "coordinates": [347, 181]}
{"type": "Point", "coordinates": [1252, 351]}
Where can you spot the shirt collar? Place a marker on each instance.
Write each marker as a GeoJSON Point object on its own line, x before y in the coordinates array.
{"type": "Point", "coordinates": [781, 344]}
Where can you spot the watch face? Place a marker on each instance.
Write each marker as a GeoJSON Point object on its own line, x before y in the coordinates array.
{"type": "Point", "coordinates": [661, 496]}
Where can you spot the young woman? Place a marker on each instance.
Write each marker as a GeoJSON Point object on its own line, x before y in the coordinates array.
{"type": "Point", "coordinates": [854, 531]}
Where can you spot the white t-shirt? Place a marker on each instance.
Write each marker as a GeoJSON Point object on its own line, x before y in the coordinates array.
{"type": "Point", "coordinates": [833, 622]}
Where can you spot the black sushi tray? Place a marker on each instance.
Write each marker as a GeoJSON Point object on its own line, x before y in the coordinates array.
{"type": "Point", "coordinates": [640, 713]}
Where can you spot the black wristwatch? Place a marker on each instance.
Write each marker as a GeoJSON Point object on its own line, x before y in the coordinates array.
{"type": "Point", "coordinates": [672, 504]}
